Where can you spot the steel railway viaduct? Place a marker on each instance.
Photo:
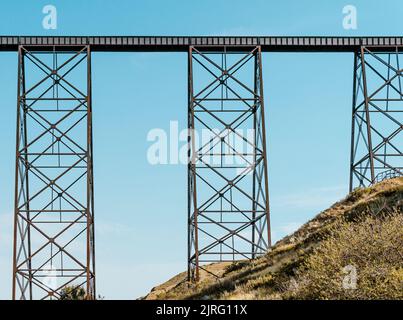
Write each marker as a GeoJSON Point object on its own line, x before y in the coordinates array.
{"type": "Point", "coordinates": [228, 202]}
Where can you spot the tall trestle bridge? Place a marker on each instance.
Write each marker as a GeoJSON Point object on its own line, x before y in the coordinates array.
{"type": "Point", "coordinates": [228, 213]}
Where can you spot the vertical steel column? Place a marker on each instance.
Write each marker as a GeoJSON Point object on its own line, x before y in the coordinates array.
{"type": "Point", "coordinates": [54, 203]}
{"type": "Point", "coordinates": [353, 121]}
{"type": "Point", "coordinates": [376, 143]}
{"type": "Point", "coordinates": [228, 212]}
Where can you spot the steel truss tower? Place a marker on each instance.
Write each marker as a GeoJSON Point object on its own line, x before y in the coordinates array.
{"type": "Point", "coordinates": [377, 142]}
{"type": "Point", "coordinates": [54, 204]}
{"type": "Point", "coordinates": [228, 203]}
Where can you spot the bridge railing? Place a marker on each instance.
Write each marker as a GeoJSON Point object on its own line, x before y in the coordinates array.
{"type": "Point", "coordinates": [390, 174]}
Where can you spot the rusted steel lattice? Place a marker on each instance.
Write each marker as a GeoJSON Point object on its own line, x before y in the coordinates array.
{"type": "Point", "coordinates": [54, 204]}
{"type": "Point", "coordinates": [228, 213]}
{"type": "Point", "coordinates": [377, 141]}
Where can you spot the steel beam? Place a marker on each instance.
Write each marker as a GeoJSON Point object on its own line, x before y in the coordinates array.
{"type": "Point", "coordinates": [228, 212]}
{"type": "Point", "coordinates": [54, 203]}
{"type": "Point", "coordinates": [377, 142]}
{"type": "Point", "coordinates": [182, 43]}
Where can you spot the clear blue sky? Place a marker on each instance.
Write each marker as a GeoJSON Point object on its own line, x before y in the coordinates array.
{"type": "Point", "coordinates": [141, 209]}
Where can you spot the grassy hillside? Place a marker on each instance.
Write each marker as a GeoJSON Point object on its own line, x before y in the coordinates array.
{"type": "Point", "coordinates": [353, 250]}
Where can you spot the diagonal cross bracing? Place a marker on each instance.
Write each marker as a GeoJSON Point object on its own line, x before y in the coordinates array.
{"type": "Point", "coordinates": [227, 175]}
{"type": "Point", "coordinates": [54, 207]}
{"type": "Point", "coordinates": [377, 131]}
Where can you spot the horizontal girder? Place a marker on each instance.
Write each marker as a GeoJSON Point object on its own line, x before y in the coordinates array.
{"type": "Point", "coordinates": [181, 43]}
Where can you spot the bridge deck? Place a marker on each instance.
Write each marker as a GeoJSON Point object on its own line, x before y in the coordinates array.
{"type": "Point", "coordinates": [181, 44]}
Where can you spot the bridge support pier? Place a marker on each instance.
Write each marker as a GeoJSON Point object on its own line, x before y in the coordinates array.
{"type": "Point", "coordinates": [228, 202]}
{"type": "Point", "coordinates": [377, 124]}
{"type": "Point", "coordinates": [54, 204]}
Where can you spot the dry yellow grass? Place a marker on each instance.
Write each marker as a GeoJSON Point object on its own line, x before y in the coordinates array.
{"type": "Point", "coordinates": [280, 273]}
